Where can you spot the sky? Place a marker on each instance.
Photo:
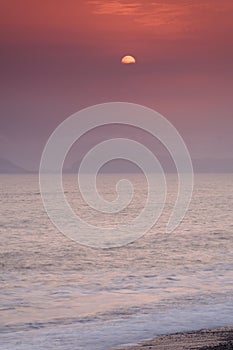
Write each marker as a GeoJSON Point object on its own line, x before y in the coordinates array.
{"type": "Point", "coordinates": [58, 57]}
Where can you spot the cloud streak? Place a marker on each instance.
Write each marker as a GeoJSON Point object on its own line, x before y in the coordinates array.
{"type": "Point", "coordinates": [170, 16]}
{"type": "Point", "coordinates": [115, 7]}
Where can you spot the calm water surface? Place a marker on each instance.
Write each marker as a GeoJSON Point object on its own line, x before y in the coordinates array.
{"type": "Point", "coordinates": [57, 294]}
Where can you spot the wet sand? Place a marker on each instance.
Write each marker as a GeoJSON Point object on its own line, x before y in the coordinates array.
{"type": "Point", "coordinates": [215, 339]}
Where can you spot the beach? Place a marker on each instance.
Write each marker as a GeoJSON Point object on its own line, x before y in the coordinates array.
{"type": "Point", "coordinates": [213, 339]}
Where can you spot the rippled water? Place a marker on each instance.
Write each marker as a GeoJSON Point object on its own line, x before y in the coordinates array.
{"type": "Point", "coordinates": [57, 294]}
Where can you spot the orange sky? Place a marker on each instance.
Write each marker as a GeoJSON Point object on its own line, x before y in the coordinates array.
{"type": "Point", "coordinates": [60, 56]}
{"type": "Point", "coordinates": [133, 23]}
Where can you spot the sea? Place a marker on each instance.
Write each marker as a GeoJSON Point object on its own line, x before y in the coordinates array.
{"type": "Point", "coordinates": [56, 293]}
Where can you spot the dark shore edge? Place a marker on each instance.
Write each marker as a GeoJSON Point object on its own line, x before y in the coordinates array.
{"type": "Point", "coordinates": [205, 339]}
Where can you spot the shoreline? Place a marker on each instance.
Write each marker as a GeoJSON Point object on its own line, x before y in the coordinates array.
{"type": "Point", "coordinates": [205, 339]}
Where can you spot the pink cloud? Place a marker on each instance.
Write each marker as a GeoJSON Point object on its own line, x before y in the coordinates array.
{"type": "Point", "coordinates": [168, 16]}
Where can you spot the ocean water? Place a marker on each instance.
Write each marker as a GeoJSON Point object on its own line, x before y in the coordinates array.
{"type": "Point", "coordinates": [58, 294]}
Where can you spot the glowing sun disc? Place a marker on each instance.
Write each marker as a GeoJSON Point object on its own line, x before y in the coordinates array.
{"type": "Point", "coordinates": [128, 60]}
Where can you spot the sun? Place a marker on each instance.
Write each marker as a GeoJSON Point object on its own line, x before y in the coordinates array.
{"type": "Point", "coordinates": [128, 59]}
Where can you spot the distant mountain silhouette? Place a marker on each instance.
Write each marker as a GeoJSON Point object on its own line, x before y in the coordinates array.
{"type": "Point", "coordinates": [7, 167]}
{"type": "Point", "coordinates": [123, 166]}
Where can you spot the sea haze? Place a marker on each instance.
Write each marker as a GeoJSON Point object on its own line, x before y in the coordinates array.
{"type": "Point", "coordinates": [56, 293]}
